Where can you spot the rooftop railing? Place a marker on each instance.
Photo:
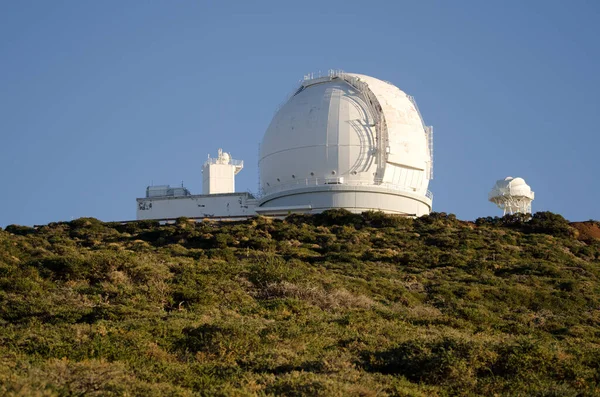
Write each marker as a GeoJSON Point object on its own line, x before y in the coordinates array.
{"type": "Point", "coordinates": [237, 163]}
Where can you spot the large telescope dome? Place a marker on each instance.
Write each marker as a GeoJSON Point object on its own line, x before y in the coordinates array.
{"type": "Point", "coordinates": [347, 141]}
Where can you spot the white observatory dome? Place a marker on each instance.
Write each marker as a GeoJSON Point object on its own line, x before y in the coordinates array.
{"type": "Point", "coordinates": [512, 195]}
{"type": "Point", "coordinates": [347, 141]}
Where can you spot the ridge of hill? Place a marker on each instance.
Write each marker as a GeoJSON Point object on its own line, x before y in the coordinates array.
{"type": "Point", "coordinates": [330, 304]}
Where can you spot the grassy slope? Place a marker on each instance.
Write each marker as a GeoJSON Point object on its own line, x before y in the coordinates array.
{"type": "Point", "coordinates": [334, 304]}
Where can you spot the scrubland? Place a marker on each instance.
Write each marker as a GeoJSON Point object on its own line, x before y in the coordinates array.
{"type": "Point", "coordinates": [334, 304]}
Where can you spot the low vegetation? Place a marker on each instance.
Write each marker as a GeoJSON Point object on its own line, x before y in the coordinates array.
{"type": "Point", "coordinates": [334, 304]}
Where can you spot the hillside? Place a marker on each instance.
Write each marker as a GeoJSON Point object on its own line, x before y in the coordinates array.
{"type": "Point", "coordinates": [332, 304]}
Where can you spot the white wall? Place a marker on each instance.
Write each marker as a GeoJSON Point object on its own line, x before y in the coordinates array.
{"type": "Point", "coordinates": [218, 178]}
{"type": "Point", "coordinates": [196, 206]}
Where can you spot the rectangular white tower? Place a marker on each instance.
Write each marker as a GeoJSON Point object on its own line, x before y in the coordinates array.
{"type": "Point", "coordinates": [218, 175]}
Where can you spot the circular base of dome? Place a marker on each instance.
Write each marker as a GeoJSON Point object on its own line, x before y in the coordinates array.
{"type": "Point", "coordinates": [355, 199]}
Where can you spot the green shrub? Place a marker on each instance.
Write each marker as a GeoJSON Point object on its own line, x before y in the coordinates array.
{"type": "Point", "coordinates": [549, 223]}
{"type": "Point", "coordinates": [62, 267]}
{"type": "Point", "coordinates": [221, 339]}
{"type": "Point", "coordinates": [269, 269]}
{"type": "Point", "coordinates": [444, 361]}
{"type": "Point", "coordinates": [20, 230]}
{"type": "Point", "coordinates": [380, 219]}
{"type": "Point", "coordinates": [339, 217]}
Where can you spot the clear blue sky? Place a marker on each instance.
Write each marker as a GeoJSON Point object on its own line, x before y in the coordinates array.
{"type": "Point", "coordinates": [98, 99]}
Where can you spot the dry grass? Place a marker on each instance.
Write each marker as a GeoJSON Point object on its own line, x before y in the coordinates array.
{"type": "Point", "coordinates": [315, 295]}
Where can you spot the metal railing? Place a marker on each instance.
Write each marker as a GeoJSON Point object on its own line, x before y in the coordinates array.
{"type": "Point", "coordinates": [429, 131]}
{"type": "Point", "coordinates": [237, 163]}
{"type": "Point", "coordinates": [428, 134]}
{"type": "Point", "coordinates": [376, 110]}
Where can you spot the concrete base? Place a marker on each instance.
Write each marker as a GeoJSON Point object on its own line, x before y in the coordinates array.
{"type": "Point", "coordinates": [355, 199]}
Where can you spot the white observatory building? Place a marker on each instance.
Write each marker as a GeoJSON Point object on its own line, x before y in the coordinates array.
{"type": "Point", "coordinates": [512, 195]}
{"type": "Point", "coordinates": [218, 199]}
{"type": "Point", "coordinates": [347, 141]}
{"type": "Point", "coordinates": [342, 140]}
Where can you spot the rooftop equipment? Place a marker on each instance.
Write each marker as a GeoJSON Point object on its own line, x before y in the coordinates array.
{"type": "Point", "coordinates": [166, 191]}
{"type": "Point", "coordinates": [218, 175]}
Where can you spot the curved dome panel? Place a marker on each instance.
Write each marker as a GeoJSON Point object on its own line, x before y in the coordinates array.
{"type": "Point", "coordinates": [511, 187]}
{"type": "Point", "coordinates": [334, 131]}
{"type": "Point", "coordinates": [323, 132]}
{"type": "Point", "coordinates": [406, 135]}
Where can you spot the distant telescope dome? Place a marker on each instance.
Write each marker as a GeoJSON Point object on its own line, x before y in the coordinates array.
{"type": "Point", "coordinates": [512, 195]}
{"type": "Point", "coordinates": [350, 133]}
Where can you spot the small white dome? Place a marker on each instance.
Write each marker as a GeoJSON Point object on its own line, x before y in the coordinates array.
{"type": "Point", "coordinates": [517, 182]}
{"type": "Point", "coordinates": [512, 195]}
{"type": "Point", "coordinates": [512, 186]}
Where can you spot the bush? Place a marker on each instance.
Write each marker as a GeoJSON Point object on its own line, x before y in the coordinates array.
{"type": "Point", "coordinates": [86, 223]}
{"type": "Point", "coordinates": [380, 219]}
{"type": "Point", "coordinates": [338, 217]}
{"type": "Point", "coordinates": [62, 267]}
{"type": "Point", "coordinates": [269, 269]}
{"type": "Point", "coordinates": [444, 361]}
{"type": "Point", "coordinates": [20, 230]}
{"type": "Point", "coordinates": [549, 223]}
{"type": "Point", "coordinates": [221, 339]}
